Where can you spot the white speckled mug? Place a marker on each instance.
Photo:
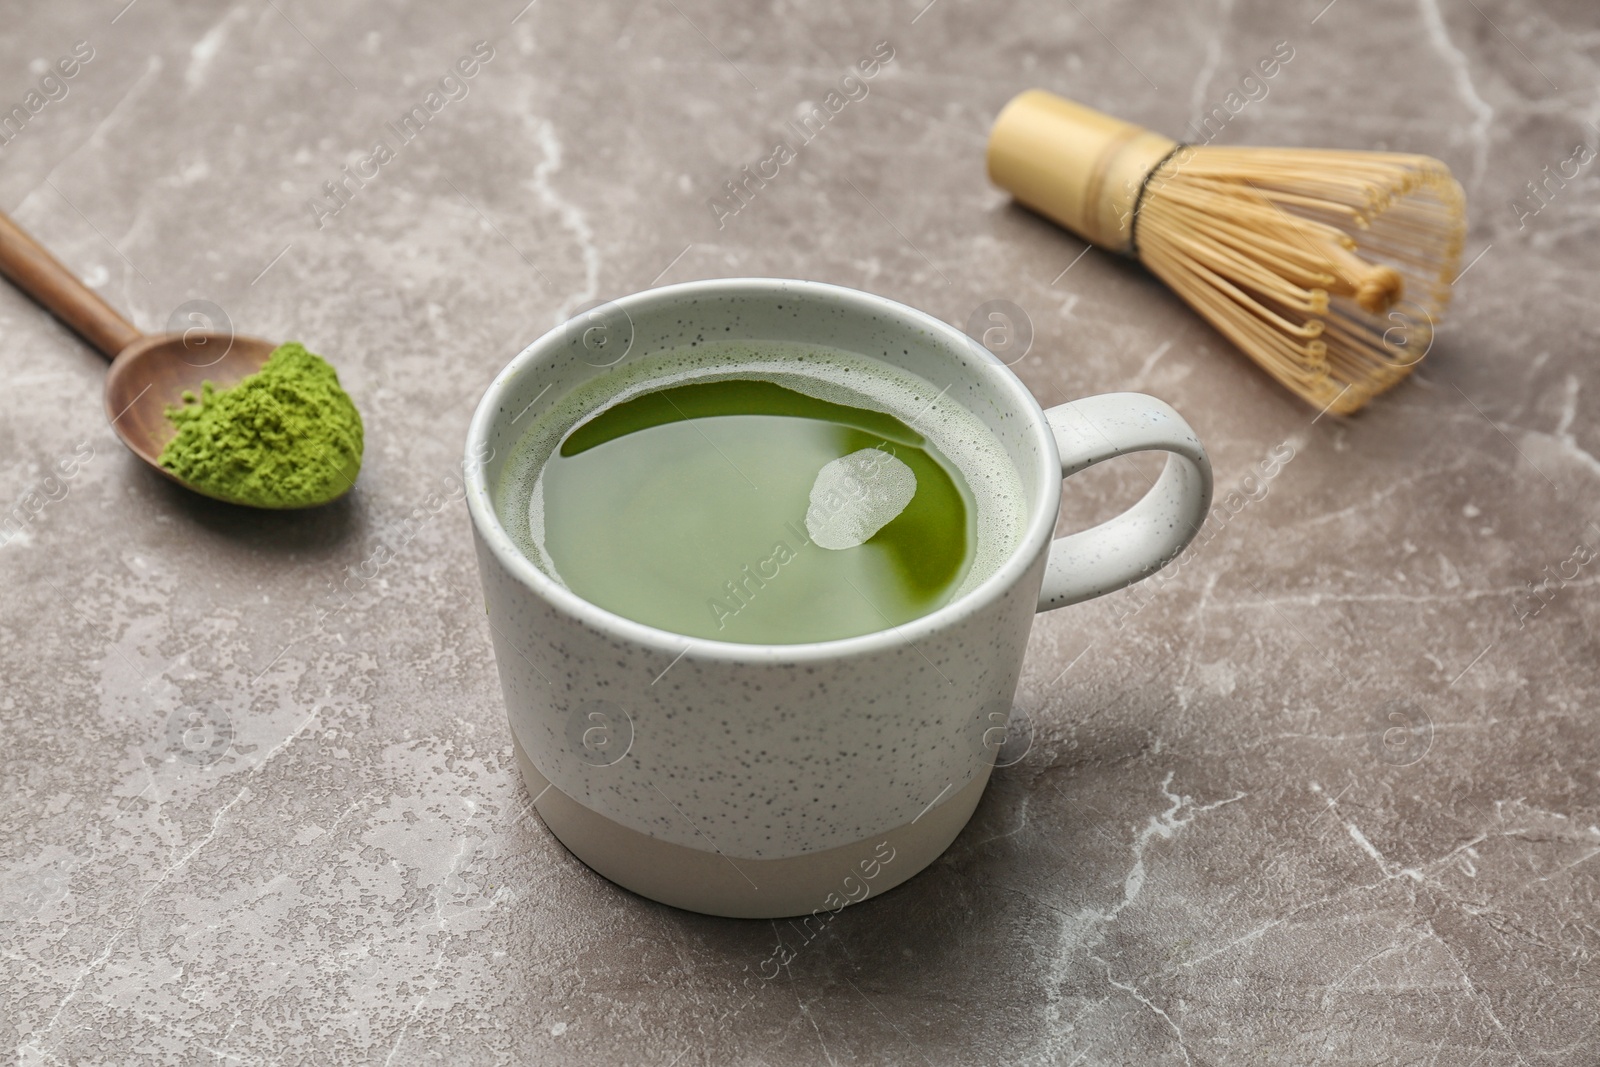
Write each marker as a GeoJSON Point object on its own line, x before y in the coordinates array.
{"type": "Point", "coordinates": [775, 780]}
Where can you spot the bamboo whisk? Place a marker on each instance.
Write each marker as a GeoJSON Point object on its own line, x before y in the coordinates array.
{"type": "Point", "coordinates": [1328, 268]}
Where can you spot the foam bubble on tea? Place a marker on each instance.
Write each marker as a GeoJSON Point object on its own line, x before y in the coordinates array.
{"type": "Point", "coordinates": [856, 496]}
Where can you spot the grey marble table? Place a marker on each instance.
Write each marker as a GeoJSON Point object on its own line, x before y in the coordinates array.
{"type": "Point", "coordinates": [1326, 794]}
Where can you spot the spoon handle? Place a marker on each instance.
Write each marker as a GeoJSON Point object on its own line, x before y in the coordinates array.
{"type": "Point", "coordinates": [37, 273]}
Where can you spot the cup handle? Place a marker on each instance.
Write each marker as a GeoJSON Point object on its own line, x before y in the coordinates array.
{"type": "Point", "coordinates": [1148, 535]}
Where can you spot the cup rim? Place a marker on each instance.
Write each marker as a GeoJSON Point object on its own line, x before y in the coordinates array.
{"type": "Point", "coordinates": [1036, 534]}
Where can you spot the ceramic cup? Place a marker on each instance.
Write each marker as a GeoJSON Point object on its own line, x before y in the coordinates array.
{"type": "Point", "coordinates": [782, 780]}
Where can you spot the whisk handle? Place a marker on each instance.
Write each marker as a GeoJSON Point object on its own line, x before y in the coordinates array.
{"type": "Point", "coordinates": [53, 287]}
{"type": "Point", "coordinates": [1154, 531]}
{"type": "Point", "coordinates": [1078, 166]}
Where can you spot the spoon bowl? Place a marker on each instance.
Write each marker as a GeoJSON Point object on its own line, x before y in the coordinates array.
{"type": "Point", "coordinates": [154, 372]}
{"type": "Point", "coordinates": [148, 373]}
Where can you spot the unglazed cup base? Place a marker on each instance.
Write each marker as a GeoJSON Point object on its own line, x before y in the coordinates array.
{"type": "Point", "coordinates": [714, 884]}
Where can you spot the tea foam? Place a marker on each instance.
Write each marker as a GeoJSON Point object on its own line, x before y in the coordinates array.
{"type": "Point", "coordinates": [857, 495]}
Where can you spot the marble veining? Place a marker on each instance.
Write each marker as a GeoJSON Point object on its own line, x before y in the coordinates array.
{"type": "Point", "coordinates": [1325, 794]}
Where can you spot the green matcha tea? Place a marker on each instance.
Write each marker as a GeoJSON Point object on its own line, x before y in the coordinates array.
{"type": "Point", "coordinates": [755, 499]}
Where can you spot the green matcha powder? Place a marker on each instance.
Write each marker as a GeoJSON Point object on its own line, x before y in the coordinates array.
{"type": "Point", "coordinates": [285, 437]}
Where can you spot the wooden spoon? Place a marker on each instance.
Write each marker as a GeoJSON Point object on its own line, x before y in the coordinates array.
{"type": "Point", "coordinates": [148, 372]}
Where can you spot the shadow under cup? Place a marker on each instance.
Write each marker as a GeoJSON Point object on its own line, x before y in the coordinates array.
{"type": "Point", "coordinates": [757, 780]}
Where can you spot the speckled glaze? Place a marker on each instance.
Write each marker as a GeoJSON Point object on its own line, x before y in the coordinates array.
{"type": "Point", "coordinates": [760, 753]}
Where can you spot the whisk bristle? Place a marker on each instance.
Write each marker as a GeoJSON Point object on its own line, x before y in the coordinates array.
{"type": "Point", "coordinates": [1330, 269]}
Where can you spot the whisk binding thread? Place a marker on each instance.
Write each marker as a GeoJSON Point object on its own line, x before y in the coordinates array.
{"type": "Point", "coordinates": [1138, 199]}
